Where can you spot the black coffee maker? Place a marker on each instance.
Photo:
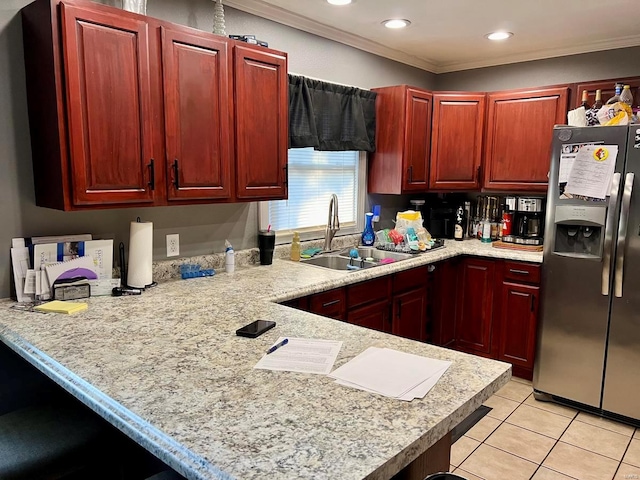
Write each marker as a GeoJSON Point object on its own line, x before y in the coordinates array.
{"type": "Point", "coordinates": [527, 222]}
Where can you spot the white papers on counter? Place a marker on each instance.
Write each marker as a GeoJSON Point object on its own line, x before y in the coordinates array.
{"type": "Point", "coordinates": [304, 355]}
{"type": "Point", "coordinates": [391, 373]}
{"type": "Point", "coordinates": [592, 171]}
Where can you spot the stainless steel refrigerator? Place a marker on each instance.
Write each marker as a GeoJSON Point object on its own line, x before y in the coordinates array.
{"type": "Point", "coordinates": [589, 332]}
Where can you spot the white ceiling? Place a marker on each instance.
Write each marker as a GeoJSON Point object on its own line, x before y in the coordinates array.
{"type": "Point", "coordinates": [448, 35]}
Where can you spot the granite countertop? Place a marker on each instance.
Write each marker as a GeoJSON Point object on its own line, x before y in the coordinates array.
{"type": "Point", "coordinates": [167, 369]}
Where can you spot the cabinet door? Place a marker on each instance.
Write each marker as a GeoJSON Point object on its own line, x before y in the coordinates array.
{"type": "Point", "coordinates": [409, 314]}
{"type": "Point", "coordinates": [518, 323]}
{"type": "Point", "coordinates": [417, 141]}
{"type": "Point", "coordinates": [261, 117]}
{"type": "Point", "coordinates": [106, 59]}
{"type": "Point", "coordinates": [442, 299]}
{"type": "Point", "coordinates": [519, 134]}
{"type": "Point", "coordinates": [607, 88]}
{"type": "Point", "coordinates": [456, 141]}
{"type": "Point", "coordinates": [475, 308]}
{"type": "Point", "coordinates": [197, 92]}
{"type": "Point", "coordinates": [375, 316]}
{"type": "Point", "coordinates": [330, 304]}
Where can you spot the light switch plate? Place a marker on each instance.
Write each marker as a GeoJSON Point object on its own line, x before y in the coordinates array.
{"type": "Point", "coordinates": [173, 245]}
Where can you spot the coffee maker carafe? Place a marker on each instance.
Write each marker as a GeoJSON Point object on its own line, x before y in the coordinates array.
{"type": "Point", "coordinates": [528, 218]}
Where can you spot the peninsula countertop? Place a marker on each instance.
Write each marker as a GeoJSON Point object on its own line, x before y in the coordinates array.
{"type": "Point", "coordinates": [167, 369]}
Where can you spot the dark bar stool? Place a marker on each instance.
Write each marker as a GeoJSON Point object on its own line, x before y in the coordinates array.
{"type": "Point", "coordinates": [444, 476]}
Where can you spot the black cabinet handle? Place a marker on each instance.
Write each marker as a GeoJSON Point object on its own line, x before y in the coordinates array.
{"type": "Point", "coordinates": [519, 272]}
{"type": "Point", "coordinates": [533, 301]}
{"type": "Point", "coordinates": [176, 180]}
{"type": "Point", "coordinates": [478, 173]}
{"type": "Point", "coordinates": [152, 175]}
{"type": "Point", "coordinates": [411, 174]}
{"type": "Point", "coordinates": [328, 304]}
{"type": "Point", "coordinates": [286, 174]}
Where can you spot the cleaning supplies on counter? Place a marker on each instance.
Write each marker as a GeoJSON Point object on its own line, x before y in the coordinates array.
{"type": "Point", "coordinates": [295, 247]}
{"type": "Point", "coordinates": [368, 235]}
{"type": "Point", "coordinates": [229, 258]}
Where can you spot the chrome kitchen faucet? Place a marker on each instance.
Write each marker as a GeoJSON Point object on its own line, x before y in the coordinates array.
{"type": "Point", "coordinates": [333, 223]}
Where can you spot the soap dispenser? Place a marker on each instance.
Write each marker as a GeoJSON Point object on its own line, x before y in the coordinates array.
{"type": "Point", "coordinates": [295, 247]}
{"type": "Point", "coordinates": [368, 235]}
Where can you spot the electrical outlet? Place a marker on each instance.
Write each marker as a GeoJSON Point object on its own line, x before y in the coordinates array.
{"type": "Point", "coordinates": [173, 245]}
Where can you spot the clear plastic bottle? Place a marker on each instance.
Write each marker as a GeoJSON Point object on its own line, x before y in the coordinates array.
{"type": "Point", "coordinates": [229, 258]}
{"type": "Point", "coordinates": [616, 97]}
{"type": "Point", "coordinates": [626, 96]}
{"type": "Point", "coordinates": [295, 247]}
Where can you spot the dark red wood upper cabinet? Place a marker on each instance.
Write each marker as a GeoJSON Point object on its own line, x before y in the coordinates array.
{"type": "Point", "coordinates": [261, 121]}
{"type": "Point", "coordinates": [456, 141]}
{"type": "Point", "coordinates": [474, 310]}
{"type": "Point", "coordinates": [417, 141]}
{"type": "Point", "coordinates": [519, 134]}
{"type": "Point", "coordinates": [197, 95]}
{"type": "Point", "coordinates": [607, 88]}
{"type": "Point", "coordinates": [400, 163]}
{"type": "Point", "coordinates": [518, 324]}
{"type": "Point", "coordinates": [106, 60]}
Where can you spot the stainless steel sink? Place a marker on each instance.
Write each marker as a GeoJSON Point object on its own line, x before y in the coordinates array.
{"type": "Point", "coordinates": [338, 262]}
{"type": "Point", "coordinates": [377, 255]}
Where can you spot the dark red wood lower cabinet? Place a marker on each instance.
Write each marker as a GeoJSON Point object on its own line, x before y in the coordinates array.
{"type": "Point", "coordinates": [330, 304]}
{"type": "Point", "coordinates": [518, 325]}
{"type": "Point", "coordinates": [475, 305]}
{"type": "Point", "coordinates": [409, 314]}
{"type": "Point", "coordinates": [374, 316]}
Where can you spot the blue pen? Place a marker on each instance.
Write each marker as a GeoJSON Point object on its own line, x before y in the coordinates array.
{"type": "Point", "coordinates": [278, 345]}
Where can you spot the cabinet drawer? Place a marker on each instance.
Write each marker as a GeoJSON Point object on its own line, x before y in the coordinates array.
{"type": "Point", "coordinates": [329, 304]}
{"type": "Point", "coordinates": [522, 272]}
{"type": "Point", "coordinates": [414, 278]}
{"type": "Point", "coordinates": [375, 316]}
{"type": "Point", "coordinates": [368, 292]}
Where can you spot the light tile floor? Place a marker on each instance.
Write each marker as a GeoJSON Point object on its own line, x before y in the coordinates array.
{"type": "Point", "coordinates": [522, 439]}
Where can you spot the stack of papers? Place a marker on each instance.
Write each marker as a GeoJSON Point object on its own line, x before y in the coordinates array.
{"type": "Point", "coordinates": [305, 355]}
{"type": "Point", "coordinates": [391, 373]}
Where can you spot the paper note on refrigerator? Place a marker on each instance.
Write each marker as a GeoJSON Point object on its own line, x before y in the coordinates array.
{"type": "Point", "coordinates": [592, 171]}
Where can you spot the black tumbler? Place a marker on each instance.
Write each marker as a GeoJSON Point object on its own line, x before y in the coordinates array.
{"type": "Point", "coordinates": [266, 243]}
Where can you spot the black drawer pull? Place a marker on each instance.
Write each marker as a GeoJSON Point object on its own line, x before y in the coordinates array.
{"type": "Point", "coordinates": [332, 302]}
{"type": "Point", "coordinates": [519, 272]}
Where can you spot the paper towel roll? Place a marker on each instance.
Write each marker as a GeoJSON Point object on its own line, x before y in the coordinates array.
{"type": "Point", "coordinates": [139, 271]}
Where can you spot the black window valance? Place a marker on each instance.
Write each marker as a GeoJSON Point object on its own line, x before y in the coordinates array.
{"type": "Point", "coordinates": [330, 117]}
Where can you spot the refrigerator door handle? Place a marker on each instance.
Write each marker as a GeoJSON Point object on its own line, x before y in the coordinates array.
{"type": "Point", "coordinates": [622, 234]}
{"type": "Point", "coordinates": [608, 233]}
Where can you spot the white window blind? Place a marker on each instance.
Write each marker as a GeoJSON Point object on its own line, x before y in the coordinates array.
{"type": "Point", "coordinates": [313, 177]}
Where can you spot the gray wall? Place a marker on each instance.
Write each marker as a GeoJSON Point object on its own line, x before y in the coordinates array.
{"type": "Point", "coordinates": [619, 63]}
{"type": "Point", "coordinates": [202, 228]}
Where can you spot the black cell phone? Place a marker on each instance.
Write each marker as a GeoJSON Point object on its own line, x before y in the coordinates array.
{"type": "Point", "coordinates": [256, 328]}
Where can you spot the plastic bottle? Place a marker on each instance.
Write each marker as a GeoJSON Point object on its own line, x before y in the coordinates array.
{"type": "Point", "coordinates": [626, 96]}
{"type": "Point", "coordinates": [368, 235]}
{"type": "Point", "coordinates": [295, 247]}
{"type": "Point", "coordinates": [229, 258]}
{"type": "Point", "coordinates": [616, 97]}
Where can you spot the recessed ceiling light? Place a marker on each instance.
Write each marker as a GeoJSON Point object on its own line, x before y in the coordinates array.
{"type": "Point", "coordinates": [499, 35]}
{"type": "Point", "coordinates": [339, 2]}
{"type": "Point", "coordinates": [396, 23]}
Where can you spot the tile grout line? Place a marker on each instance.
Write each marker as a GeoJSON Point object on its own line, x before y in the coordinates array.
{"type": "Point", "coordinates": [623, 455]}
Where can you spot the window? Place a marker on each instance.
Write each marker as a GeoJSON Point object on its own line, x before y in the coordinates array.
{"type": "Point", "coordinates": [313, 177]}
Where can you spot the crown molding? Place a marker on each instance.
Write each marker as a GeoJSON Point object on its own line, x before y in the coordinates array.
{"type": "Point", "coordinates": [285, 17]}
{"type": "Point", "coordinates": [609, 44]}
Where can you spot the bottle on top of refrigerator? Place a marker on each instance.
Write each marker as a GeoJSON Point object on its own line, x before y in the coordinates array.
{"type": "Point", "coordinates": [626, 96]}
{"type": "Point", "coordinates": [616, 97]}
{"type": "Point", "coordinates": [597, 104]}
{"type": "Point", "coordinates": [585, 100]}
